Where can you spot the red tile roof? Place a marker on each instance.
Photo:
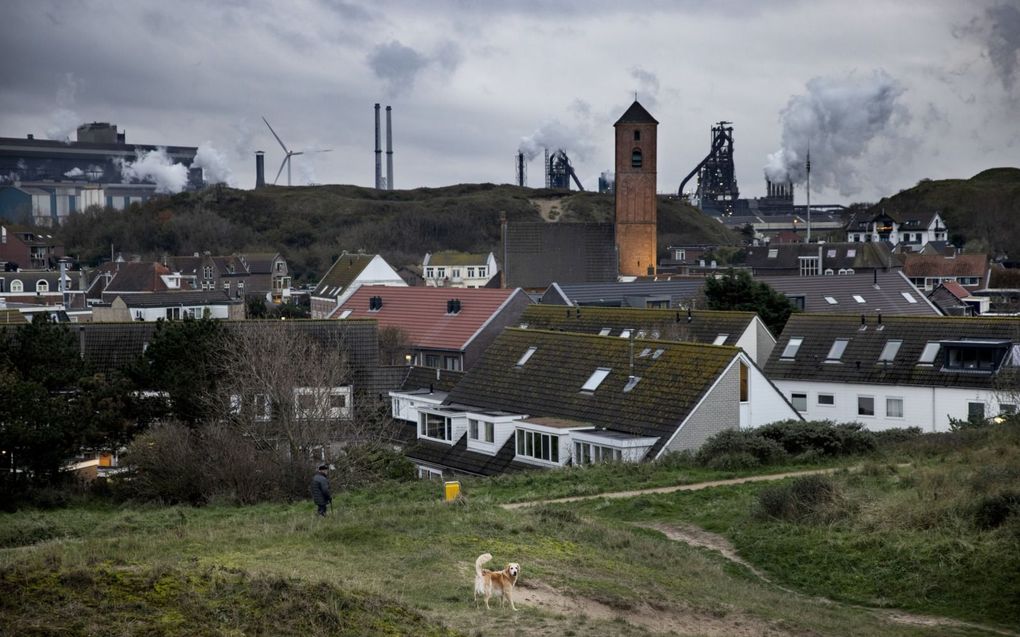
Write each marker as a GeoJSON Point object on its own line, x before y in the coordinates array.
{"type": "Point", "coordinates": [971, 265]}
{"type": "Point", "coordinates": [956, 289]}
{"type": "Point", "coordinates": [421, 312]}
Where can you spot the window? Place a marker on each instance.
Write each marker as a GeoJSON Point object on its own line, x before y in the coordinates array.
{"type": "Point", "coordinates": [889, 351]}
{"type": "Point", "coordinates": [809, 266]}
{"type": "Point", "coordinates": [625, 334]}
{"type": "Point", "coordinates": [865, 405]}
{"type": "Point", "coordinates": [931, 350]}
{"type": "Point", "coordinates": [42, 286]}
{"type": "Point", "coordinates": [635, 158]}
{"type": "Point", "coordinates": [17, 286]}
{"type": "Point", "coordinates": [975, 411]}
{"type": "Point", "coordinates": [451, 363]}
{"type": "Point", "coordinates": [279, 266]}
{"type": "Point", "coordinates": [207, 272]}
{"type": "Point", "coordinates": [909, 297]}
{"type": "Point", "coordinates": [472, 429]}
{"type": "Point", "coordinates": [471, 273]}
{"type": "Point", "coordinates": [979, 359]}
{"type": "Point", "coordinates": [432, 360]}
{"type": "Point", "coordinates": [826, 400]}
{"type": "Point", "coordinates": [830, 300]}
{"type": "Point", "coordinates": [657, 353]}
{"type": "Point", "coordinates": [428, 473]}
{"type": "Point", "coordinates": [263, 407]}
{"type": "Point", "coordinates": [851, 253]}
{"type": "Point", "coordinates": [679, 255]}
{"type": "Point", "coordinates": [337, 402]}
{"type": "Point", "coordinates": [645, 352]}
{"type": "Point", "coordinates": [894, 407]}
{"type": "Point", "coordinates": [831, 253]}
{"type": "Point", "coordinates": [744, 383]}
{"type": "Point", "coordinates": [799, 401]}
{"type": "Point", "coordinates": [488, 431]}
{"type": "Point", "coordinates": [1007, 409]}
{"type": "Point", "coordinates": [435, 426]}
{"type": "Point", "coordinates": [586, 453]}
{"type": "Point", "coordinates": [538, 445]}
{"type": "Point", "coordinates": [345, 313]}
{"type": "Point", "coordinates": [226, 285]}
{"type": "Point", "coordinates": [859, 298]}
{"type": "Point", "coordinates": [596, 379]}
{"type": "Point", "coordinates": [791, 348]}
{"type": "Point", "coordinates": [173, 313]}
{"type": "Point", "coordinates": [455, 273]}
{"type": "Point", "coordinates": [837, 349]}
{"type": "Point", "coordinates": [720, 339]}
{"type": "Point", "coordinates": [524, 357]}
{"type": "Point", "coordinates": [605, 331]}
{"type": "Point", "coordinates": [637, 135]}
{"type": "Point", "coordinates": [440, 272]}
{"type": "Point", "coordinates": [482, 272]}
{"type": "Point", "coordinates": [429, 273]}
{"type": "Point", "coordinates": [773, 253]}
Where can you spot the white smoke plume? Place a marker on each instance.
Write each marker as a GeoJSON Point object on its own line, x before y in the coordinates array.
{"type": "Point", "coordinates": [64, 121]}
{"type": "Point", "coordinates": [155, 167]}
{"type": "Point", "coordinates": [574, 137]}
{"type": "Point", "coordinates": [213, 164]}
{"type": "Point", "coordinates": [74, 172]}
{"type": "Point", "coordinates": [648, 87]}
{"type": "Point", "coordinates": [839, 120]}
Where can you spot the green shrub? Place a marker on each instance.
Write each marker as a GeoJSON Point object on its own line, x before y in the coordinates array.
{"type": "Point", "coordinates": [733, 461]}
{"type": "Point", "coordinates": [809, 498]}
{"type": "Point", "coordinates": [822, 437]}
{"type": "Point", "coordinates": [992, 511]}
{"type": "Point", "coordinates": [896, 436]}
{"type": "Point", "coordinates": [737, 444]}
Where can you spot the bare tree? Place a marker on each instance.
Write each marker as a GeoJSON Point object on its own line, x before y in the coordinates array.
{"type": "Point", "coordinates": [394, 345]}
{"type": "Point", "coordinates": [287, 390]}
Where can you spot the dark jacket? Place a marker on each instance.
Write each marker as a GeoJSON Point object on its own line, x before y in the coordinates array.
{"type": "Point", "coordinates": [320, 490]}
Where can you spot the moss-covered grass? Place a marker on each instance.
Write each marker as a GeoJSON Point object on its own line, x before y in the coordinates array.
{"type": "Point", "coordinates": [394, 559]}
{"type": "Point", "coordinates": [940, 535]}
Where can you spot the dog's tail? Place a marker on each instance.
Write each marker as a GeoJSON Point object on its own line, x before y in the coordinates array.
{"type": "Point", "coordinates": [482, 559]}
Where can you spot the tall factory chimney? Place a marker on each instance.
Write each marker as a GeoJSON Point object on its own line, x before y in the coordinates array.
{"type": "Point", "coordinates": [260, 169]}
{"type": "Point", "coordinates": [521, 172]}
{"type": "Point", "coordinates": [389, 150]}
{"type": "Point", "coordinates": [378, 151]}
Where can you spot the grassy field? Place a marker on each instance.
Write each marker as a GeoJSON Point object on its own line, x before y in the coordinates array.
{"type": "Point", "coordinates": [395, 560]}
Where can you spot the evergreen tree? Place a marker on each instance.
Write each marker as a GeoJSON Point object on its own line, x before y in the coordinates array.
{"type": "Point", "coordinates": [736, 290]}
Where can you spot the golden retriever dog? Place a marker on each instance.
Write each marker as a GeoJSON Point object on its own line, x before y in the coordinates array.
{"type": "Point", "coordinates": [489, 583]}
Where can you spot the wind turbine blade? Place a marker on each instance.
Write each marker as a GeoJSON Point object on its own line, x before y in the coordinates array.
{"type": "Point", "coordinates": [275, 135]}
{"type": "Point", "coordinates": [300, 152]}
{"type": "Point", "coordinates": [319, 150]}
{"type": "Point", "coordinates": [281, 169]}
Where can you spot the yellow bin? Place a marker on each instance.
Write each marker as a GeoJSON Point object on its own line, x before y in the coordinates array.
{"type": "Point", "coordinates": [452, 490]}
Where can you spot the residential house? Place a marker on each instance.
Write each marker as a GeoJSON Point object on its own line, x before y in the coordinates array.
{"type": "Point", "coordinates": [953, 299]}
{"type": "Point", "coordinates": [444, 328]}
{"type": "Point", "coordinates": [450, 269]}
{"type": "Point", "coordinates": [739, 329]}
{"type": "Point", "coordinates": [27, 249]}
{"type": "Point", "coordinates": [896, 371]}
{"type": "Point", "coordinates": [819, 259]}
{"type": "Point", "coordinates": [543, 398]}
{"type": "Point", "coordinates": [912, 230]}
{"type": "Point", "coordinates": [263, 275]}
{"type": "Point", "coordinates": [348, 273]}
{"type": "Point", "coordinates": [169, 306]}
{"type": "Point", "coordinates": [672, 293]}
{"type": "Point", "coordinates": [684, 259]}
{"type": "Point", "coordinates": [927, 271]}
{"type": "Point", "coordinates": [119, 278]}
{"type": "Point", "coordinates": [48, 291]}
{"type": "Point", "coordinates": [874, 292]}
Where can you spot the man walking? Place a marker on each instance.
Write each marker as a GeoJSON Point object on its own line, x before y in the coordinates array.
{"type": "Point", "coordinates": [320, 490]}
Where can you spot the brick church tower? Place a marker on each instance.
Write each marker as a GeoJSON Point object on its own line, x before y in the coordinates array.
{"type": "Point", "coordinates": [635, 192]}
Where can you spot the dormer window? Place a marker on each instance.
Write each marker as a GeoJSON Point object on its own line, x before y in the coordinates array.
{"type": "Point", "coordinates": [42, 286]}
{"type": "Point", "coordinates": [974, 356]}
{"type": "Point", "coordinates": [635, 158]}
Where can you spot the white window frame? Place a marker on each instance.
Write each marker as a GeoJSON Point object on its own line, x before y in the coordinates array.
{"type": "Point", "coordinates": [835, 354]}
{"type": "Point", "coordinates": [526, 356]}
{"type": "Point", "coordinates": [531, 444]}
{"type": "Point", "coordinates": [888, 414]}
{"type": "Point", "coordinates": [818, 400]}
{"type": "Point", "coordinates": [17, 287]}
{"type": "Point", "coordinates": [859, 414]}
{"type": "Point", "coordinates": [791, 349]}
{"type": "Point", "coordinates": [800, 398]}
{"type": "Point", "coordinates": [597, 377]}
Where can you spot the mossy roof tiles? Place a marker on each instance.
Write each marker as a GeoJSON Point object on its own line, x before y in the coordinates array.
{"type": "Point", "coordinates": [668, 325]}
{"type": "Point", "coordinates": [450, 257]}
{"type": "Point", "coordinates": [344, 270]}
{"type": "Point", "coordinates": [549, 383]}
{"type": "Point", "coordinates": [860, 360]}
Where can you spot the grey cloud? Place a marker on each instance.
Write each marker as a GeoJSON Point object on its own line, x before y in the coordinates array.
{"type": "Point", "coordinates": [648, 86]}
{"type": "Point", "coordinates": [998, 29]}
{"type": "Point", "coordinates": [397, 65]}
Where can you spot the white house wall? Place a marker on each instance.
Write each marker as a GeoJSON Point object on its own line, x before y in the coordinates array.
{"type": "Point", "coordinates": [757, 341]}
{"type": "Point", "coordinates": [766, 403]}
{"type": "Point", "coordinates": [377, 272]}
{"type": "Point", "coordinates": [926, 407]}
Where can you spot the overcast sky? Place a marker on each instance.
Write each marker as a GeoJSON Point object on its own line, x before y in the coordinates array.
{"type": "Point", "coordinates": [885, 93]}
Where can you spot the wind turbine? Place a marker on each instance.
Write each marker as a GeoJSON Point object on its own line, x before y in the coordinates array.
{"type": "Point", "coordinates": [290, 153]}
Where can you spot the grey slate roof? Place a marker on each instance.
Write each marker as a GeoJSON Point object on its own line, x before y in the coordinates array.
{"type": "Point", "coordinates": [860, 360]}
{"type": "Point", "coordinates": [700, 326]}
{"type": "Point", "coordinates": [631, 294]}
{"type": "Point", "coordinates": [460, 460]}
{"type": "Point", "coordinates": [888, 298]}
{"type": "Point", "coordinates": [171, 299]}
{"type": "Point", "coordinates": [549, 383]}
{"type": "Point", "coordinates": [539, 253]}
{"type": "Point", "coordinates": [856, 256]}
{"type": "Point", "coordinates": [636, 114]}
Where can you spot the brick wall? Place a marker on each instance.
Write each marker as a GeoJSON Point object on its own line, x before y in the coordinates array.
{"type": "Point", "coordinates": [636, 209]}
{"type": "Point", "coordinates": [718, 411]}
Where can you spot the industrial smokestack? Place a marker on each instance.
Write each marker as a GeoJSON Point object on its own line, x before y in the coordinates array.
{"type": "Point", "coordinates": [378, 151]}
{"type": "Point", "coordinates": [389, 150]}
{"type": "Point", "coordinates": [520, 168]}
{"type": "Point", "coordinates": [260, 169]}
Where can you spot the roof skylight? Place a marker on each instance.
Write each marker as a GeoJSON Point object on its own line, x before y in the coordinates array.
{"type": "Point", "coordinates": [605, 331]}
{"type": "Point", "coordinates": [719, 340]}
{"type": "Point", "coordinates": [596, 379]}
{"type": "Point", "coordinates": [791, 347]}
{"type": "Point", "coordinates": [928, 354]}
{"type": "Point", "coordinates": [859, 298]}
{"type": "Point", "coordinates": [657, 353]}
{"type": "Point", "coordinates": [889, 351]}
{"type": "Point", "coordinates": [909, 297]}
{"type": "Point", "coordinates": [836, 352]}
{"type": "Point", "coordinates": [631, 383]}
{"type": "Point", "coordinates": [525, 356]}
{"type": "Point", "coordinates": [773, 253]}
{"type": "Point", "coordinates": [345, 314]}
{"type": "Point", "coordinates": [830, 300]}
{"type": "Point", "coordinates": [625, 334]}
